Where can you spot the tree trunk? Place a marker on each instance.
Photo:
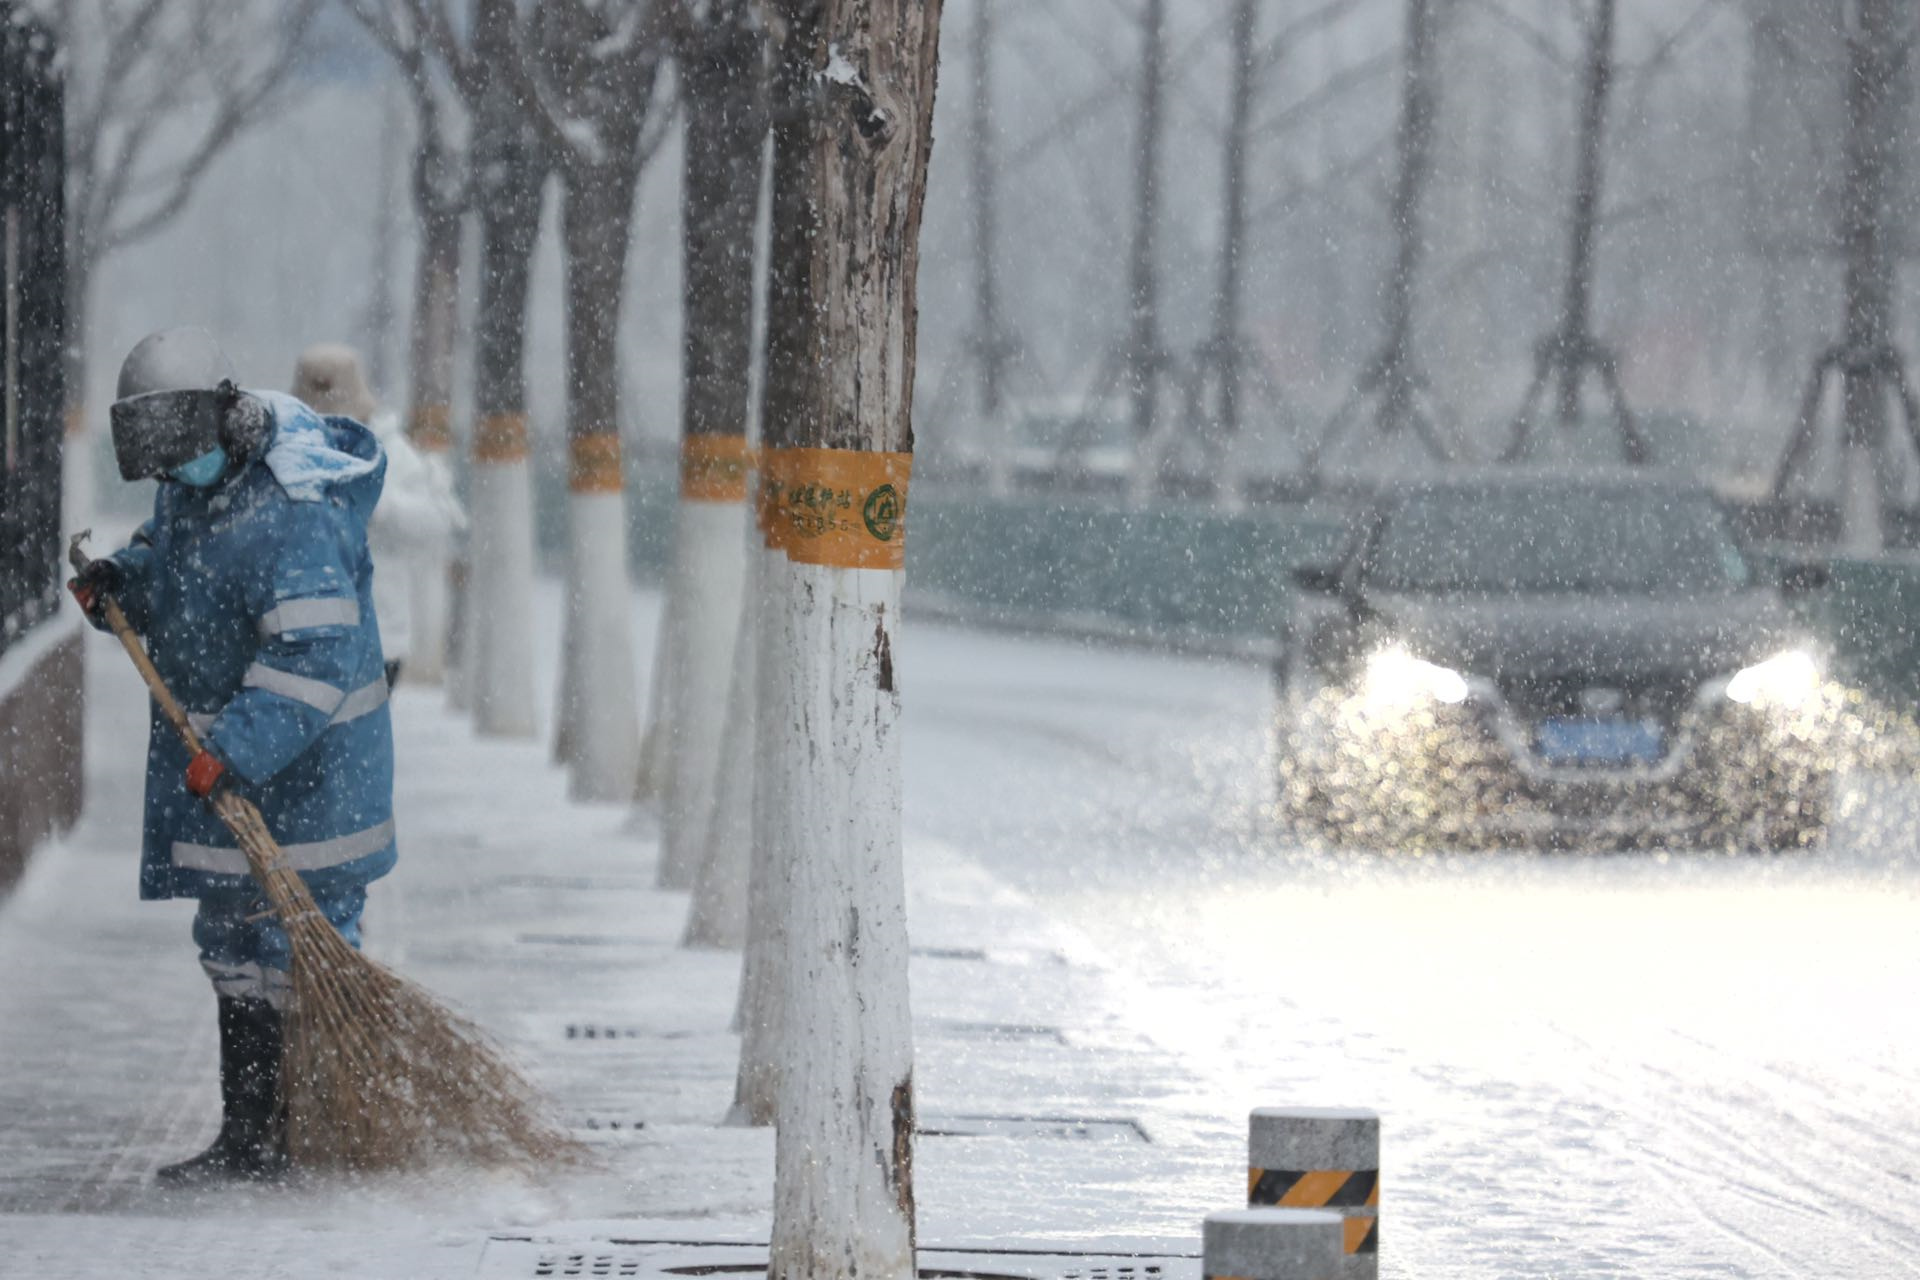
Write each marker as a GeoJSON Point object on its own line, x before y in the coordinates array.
{"type": "Point", "coordinates": [1576, 308]}
{"type": "Point", "coordinates": [725, 134]}
{"type": "Point", "coordinates": [717, 917]}
{"type": "Point", "coordinates": [844, 1203]}
{"type": "Point", "coordinates": [499, 631]}
{"type": "Point", "coordinates": [762, 1013]}
{"type": "Point", "coordinates": [1873, 59]}
{"type": "Point", "coordinates": [599, 712]}
{"type": "Point", "coordinates": [1143, 354]}
{"type": "Point", "coordinates": [436, 311]}
{"type": "Point", "coordinates": [377, 322]}
{"type": "Point", "coordinates": [988, 335]}
{"type": "Point", "coordinates": [1415, 147]}
{"type": "Point", "coordinates": [1227, 344]}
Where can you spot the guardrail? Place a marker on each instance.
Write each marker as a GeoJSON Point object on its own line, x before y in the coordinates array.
{"type": "Point", "coordinates": [1194, 580]}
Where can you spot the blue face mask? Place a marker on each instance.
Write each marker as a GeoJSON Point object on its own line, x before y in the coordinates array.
{"type": "Point", "coordinates": [202, 471]}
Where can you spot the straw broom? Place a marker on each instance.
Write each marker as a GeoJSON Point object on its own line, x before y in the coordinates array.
{"type": "Point", "coordinates": [377, 1074]}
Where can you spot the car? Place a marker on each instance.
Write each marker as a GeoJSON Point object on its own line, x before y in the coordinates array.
{"type": "Point", "coordinates": [1501, 658]}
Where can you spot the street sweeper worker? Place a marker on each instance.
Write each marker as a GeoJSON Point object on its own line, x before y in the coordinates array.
{"type": "Point", "coordinates": [252, 587]}
{"type": "Point", "coordinates": [414, 526]}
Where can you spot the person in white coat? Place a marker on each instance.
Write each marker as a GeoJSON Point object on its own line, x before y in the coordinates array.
{"type": "Point", "coordinates": [418, 516]}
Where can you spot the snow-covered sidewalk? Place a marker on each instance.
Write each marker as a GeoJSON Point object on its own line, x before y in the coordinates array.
{"type": "Point", "coordinates": [540, 918]}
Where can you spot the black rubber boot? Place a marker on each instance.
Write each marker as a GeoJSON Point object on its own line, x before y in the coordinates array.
{"type": "Point", "coordinates": [252, 1143]}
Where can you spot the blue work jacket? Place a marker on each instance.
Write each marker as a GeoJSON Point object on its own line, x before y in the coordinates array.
{"type": "Point", "coordinates": [255, 598]}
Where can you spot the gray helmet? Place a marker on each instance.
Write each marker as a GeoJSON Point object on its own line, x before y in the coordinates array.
{"type": "Point", "coordinates": [183, 359]}
{"type": "Point", "coordinates": [177, 401]}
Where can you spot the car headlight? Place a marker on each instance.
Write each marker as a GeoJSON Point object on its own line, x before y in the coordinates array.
{"type": "Point", "coordinates": [1395, 677]}
{"type": "Point", "coordinates": [1786, 679]}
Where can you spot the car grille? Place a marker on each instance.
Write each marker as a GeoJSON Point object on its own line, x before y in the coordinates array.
{"type": "Point", "coordinates": [1664, 698]}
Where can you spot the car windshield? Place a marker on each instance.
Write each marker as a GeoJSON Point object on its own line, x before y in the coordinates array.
{"type": "Point", "coordinates": [1538, 541]}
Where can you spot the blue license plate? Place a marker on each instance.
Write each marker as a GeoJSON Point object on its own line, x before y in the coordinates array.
{"type": "Point", "coordinates": [1593, 740]}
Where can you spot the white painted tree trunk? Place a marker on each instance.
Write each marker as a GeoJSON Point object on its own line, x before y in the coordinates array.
{"type": "Point", "coordinates": [601, 712]}
{"type": "Point", "coordinates": [500, 585]}
{"type": "Point", "coordinates": [717, 917]}
{"type": "Point", "coordinates": [704, 605]}
{"type": "Point", "coordinates": [650, 782]}
{"type": "Point", "coordinates": [428, 574]}
{"type": "Point", "coordinates": [853, 127]}
{"type": "Point", "coordinates": [427, 584]}
{"type": "Point", "coordinates": [460, 624]}
{"type": "Point", "coordinates": [760, 1017]}
{"type": "Point", "coordinates": [843, 1157]}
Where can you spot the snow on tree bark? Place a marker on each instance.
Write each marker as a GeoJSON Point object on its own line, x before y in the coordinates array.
{"type": "Point", "coordinates": [836, 493]}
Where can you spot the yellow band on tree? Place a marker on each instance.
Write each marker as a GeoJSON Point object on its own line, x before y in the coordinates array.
{"type": "Point", "coordinates": [844, 508]}
{"type": "Point", "coordinates": [714, 468]}
{"type": "Point", "coordinates": [593, 464]}
{"type": "Point", "coordinates": [430, 427]}
{"type": "Point", "coordinates": [500, 437]}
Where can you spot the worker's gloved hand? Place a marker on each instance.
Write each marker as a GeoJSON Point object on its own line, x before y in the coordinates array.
{"type": "Point", "coordinates": [100, 579]}
{"type": "Point", "coordinates": [207, 776]}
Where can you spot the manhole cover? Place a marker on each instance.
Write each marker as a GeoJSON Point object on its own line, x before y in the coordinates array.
{"type": "Point", "coordinates": [997, 1031]}
{"type": "Point", "coordinates": [514, 1259]}
{"type": "Point", "coordinates": [1071, 1128]}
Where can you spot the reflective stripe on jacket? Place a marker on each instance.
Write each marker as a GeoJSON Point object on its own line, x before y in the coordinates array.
{"type": "Point", "coordinates": [255, 600]}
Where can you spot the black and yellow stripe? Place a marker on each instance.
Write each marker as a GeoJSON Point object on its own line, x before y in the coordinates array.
{"type": "Point", "coordinates": [1323, 1189]}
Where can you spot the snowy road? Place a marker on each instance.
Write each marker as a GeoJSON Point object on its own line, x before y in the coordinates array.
{"type": "Point", "coordinates": [1588, 1066]}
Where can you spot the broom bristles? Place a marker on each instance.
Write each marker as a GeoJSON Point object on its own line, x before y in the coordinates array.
{"type": "Point", "coordinates": [378, 1074]}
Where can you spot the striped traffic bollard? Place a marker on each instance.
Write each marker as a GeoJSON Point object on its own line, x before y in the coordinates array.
{"type": "Point", "coordinates": [1321, 1158]}
{"type": "Point", "coordinates": [1271, 1244]}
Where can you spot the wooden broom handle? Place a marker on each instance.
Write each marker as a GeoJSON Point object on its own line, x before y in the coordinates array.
{"type": "Point", "coordinates": [123, 631]}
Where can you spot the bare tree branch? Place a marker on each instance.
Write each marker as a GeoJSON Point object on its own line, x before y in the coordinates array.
{"type": "Point", "coordinates": [463, 64]}
{"type": "Point", "coordinates": [1334, 87]}
{"type": "Point", "coordinates": [1539, 41]}
{"type": "Point", "coordinates": [241, 105]}
{"type": "Point", "coordinates": [1283, 41]}
{"type": "Point", "coordinates": [1076, 114]}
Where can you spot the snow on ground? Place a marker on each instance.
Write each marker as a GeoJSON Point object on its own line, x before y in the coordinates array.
{"type": "Point", "coordinates": [1631, 1065]}
{"type": "Point", "coordinates": [1628, 1064]}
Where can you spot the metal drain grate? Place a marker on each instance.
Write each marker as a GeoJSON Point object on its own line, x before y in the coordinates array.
{"type": "Point", "coordinates": [594, 884]}
{"type": "Point", "coordinates": [608, 1124]}
{"type": "Point", "coordinates": [601, 1031]}
{"type": "Point", "coordinates": [996, 1031]}
{"type": "Point", "coordinates": [1068, 1128]}
{"type": "Point", "coordinates": [584, 940]}
{"type": "Point", "coordinates": [516, 1258]}
{"type": "Point", "coordinates": [625, 1262]}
